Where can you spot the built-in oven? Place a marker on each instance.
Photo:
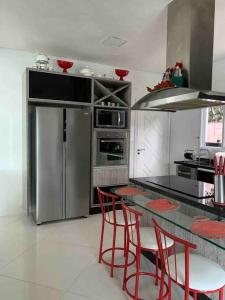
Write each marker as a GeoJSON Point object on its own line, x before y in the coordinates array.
{"type": "Point", "coordinates": [110, 118]}
{"type": "Point", "coordinates": [187, 172]}
{"type": "Point", "coordinates": [111, 148]}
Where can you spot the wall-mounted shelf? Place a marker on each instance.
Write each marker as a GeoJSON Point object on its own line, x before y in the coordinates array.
{"type": "Point", "coordinates": [113, 107]}
{"type": "Point", "coordinates": [117, 92]}
{"type": "Point", "coordinates": [46, 102]}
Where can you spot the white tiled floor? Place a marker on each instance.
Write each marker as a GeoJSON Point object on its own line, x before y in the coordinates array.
{"type": "Point", "coordinates": [56, 261]}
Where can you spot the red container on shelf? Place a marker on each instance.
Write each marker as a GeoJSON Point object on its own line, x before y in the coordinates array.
{"type": "Point", "coordinates": [65, 65]}
{"type": "Point", "coordinates": [121, 73]}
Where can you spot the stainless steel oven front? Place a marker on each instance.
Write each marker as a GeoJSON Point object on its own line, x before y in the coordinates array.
{"type": "Point", "coordinates": [111, 148]}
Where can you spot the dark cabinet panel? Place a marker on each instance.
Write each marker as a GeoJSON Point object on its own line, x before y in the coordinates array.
{"type": "Point", "coordinates": [205, 176]}
{"type": "Point", "coordinates": [59, 87]}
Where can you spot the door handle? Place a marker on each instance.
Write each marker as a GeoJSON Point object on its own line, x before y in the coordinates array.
{"type": "Point", "coordinates": [139, 150]}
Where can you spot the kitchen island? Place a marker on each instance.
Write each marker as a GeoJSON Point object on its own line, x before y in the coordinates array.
{"type": "Point", "coordinates": [192, 192]}
{"type": "Point", "coordinates": [191, 204]}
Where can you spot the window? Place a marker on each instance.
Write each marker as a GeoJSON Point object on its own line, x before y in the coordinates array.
{"type": "Point", "coordinates": [212, 131]}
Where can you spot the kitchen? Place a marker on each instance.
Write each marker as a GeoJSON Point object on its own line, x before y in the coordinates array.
{"type": "Point", "coordinates": [117, 146]}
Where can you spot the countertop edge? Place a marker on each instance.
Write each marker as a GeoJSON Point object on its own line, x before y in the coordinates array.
{"type": "Point", "coordinates": [178, 196]}
{"type": "Point", "coordinates": [193, 165]}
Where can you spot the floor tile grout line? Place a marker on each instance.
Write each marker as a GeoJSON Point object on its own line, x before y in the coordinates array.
{"type": "Point", "coordinates": [16, 257]}
{"type": "Point", "coordinates": [78, 275]}
{"type": "Point", "coordinates": [85, 296]}
{"type": "Point", "coordinates": [28, 281]}
{"type": "Point", "coordinates": [32, 282]}
{"type": "Point", "coordinates": [32, 245]}
{"type": "Point", "coordinates": [9, 222]}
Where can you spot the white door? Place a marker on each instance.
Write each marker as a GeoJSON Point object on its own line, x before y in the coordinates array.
{"type": "Point", "coordinates": [151, 135]}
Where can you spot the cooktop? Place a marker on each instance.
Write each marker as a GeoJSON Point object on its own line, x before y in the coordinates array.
{"type": "Point", "coordinates": [193, 188]}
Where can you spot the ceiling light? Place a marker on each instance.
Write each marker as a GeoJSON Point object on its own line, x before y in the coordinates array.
{"type": "Point", "coordinates": [114, 41]}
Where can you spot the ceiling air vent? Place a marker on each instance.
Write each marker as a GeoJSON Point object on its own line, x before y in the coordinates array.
{"type": "Point", "coordinates": [114, 41]}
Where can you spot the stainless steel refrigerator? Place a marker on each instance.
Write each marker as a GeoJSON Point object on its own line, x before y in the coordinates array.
{"type": "Point", "coordinates": [59, 162]}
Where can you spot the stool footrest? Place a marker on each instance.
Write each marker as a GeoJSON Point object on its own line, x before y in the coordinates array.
{"type": "Point", "coordinates": [117, 265]}
{"type": "Point", "coordinates": [144, 274]}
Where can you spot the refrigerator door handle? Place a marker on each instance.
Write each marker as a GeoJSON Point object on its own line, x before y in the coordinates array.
{"type": "Point", "coordinates": [64, 182]}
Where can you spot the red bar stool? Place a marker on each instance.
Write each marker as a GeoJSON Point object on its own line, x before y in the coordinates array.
{"type": "Point", "coordinates": [114, 218]}
{"type": "Point", "coordinates": [142, 238]}
{"type": "Point", "coordinates": [193, 272]}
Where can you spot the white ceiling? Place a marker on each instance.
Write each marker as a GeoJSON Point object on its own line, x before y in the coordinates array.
{"type": "Point", "coordinates": [76, 28]}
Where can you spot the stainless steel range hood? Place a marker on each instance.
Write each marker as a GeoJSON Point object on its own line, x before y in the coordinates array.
{"type": "Point", "coordinates": [190, 31]}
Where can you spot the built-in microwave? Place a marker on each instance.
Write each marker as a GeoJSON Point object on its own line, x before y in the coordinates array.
{"type": "Point", "coordinates": [110, 118]}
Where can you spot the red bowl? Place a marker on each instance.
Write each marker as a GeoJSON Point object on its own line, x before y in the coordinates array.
{"type": "Point", "coordinates": [64, 64]}
{"type": "Point", "coordinates": [121, 73]}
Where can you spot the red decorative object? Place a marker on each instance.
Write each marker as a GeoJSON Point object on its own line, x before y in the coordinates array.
{"type": "Point", "coordinates": [179, 64]}
{"type": "Point", "coordinates": [209, 229]}
{"type": "Point", "coordinates": [65, 65]}
{"type": "Point", "coordinates": [162, 205]}
{"type": "Point", "coordinates": [121, 73]}
{"type": "Point", "coordinates": [161, 85]}
{"type": "Point", "coordinates": [129, 191]}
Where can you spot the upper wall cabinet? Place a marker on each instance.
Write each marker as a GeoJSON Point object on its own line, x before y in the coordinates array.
{"type": "Point", "coordinates": [44, 85]}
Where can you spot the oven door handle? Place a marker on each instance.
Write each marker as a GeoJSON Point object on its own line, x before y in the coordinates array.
{"type": "Point", "coordinates": [111, 141]}
{"type": "Point", "coordinates": [206, 170]}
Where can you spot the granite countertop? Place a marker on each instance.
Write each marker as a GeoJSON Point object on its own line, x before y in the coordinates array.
{"type": "Point", "coordinates": [192, 192]}
{"type": "Point", "coordinates": [203, 163]}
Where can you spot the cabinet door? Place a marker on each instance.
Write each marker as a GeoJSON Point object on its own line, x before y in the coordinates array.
{"type": "Point", "coordinates": [49, 163]}
{"type": "Point", "coordinates": [78, 163]}
{"type": "Point", "coordinates": [59, 87]}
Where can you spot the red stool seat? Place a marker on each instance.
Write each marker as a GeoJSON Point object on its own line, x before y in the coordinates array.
{"type": "Point", "coordinates": [148, 239]}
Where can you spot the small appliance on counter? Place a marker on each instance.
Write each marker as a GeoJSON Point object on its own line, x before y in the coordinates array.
{"type": "Point", "coordinates": [189, 154]}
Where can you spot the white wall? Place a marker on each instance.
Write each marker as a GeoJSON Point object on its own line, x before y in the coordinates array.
{"type": "Point", "coordinates": [12, 66]}
{"type": "Point", "coordinates": [185, 131]}
{"type": "Point", "coordinates": [185, 125]}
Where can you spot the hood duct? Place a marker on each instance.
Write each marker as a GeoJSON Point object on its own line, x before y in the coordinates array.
{"type": "Point", "coordinates": [190, 32]}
